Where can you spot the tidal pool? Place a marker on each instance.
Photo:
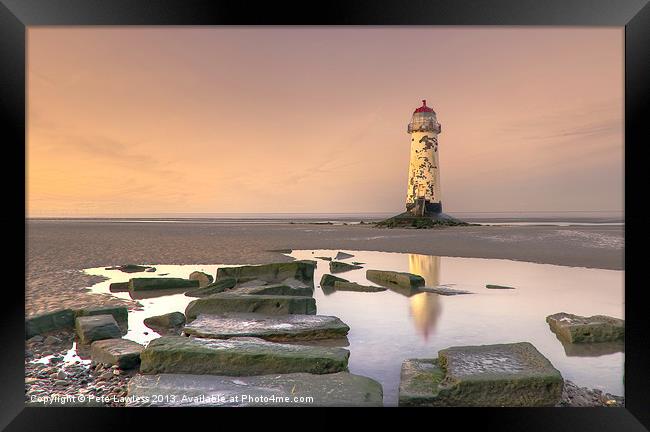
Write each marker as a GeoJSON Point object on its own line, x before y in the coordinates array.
{"type": "Point", "coordinates": [388, 327]}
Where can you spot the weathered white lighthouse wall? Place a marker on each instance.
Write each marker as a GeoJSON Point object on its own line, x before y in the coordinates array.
{"type": "Point", "coordinates": [424, 172]}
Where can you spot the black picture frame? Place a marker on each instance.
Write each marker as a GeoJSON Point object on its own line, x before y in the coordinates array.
{"type": "Point", "coordinates": [634, 15]}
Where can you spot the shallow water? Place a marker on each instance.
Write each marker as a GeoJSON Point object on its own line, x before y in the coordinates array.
{"type": "Point", "coordinates": [391, 326]}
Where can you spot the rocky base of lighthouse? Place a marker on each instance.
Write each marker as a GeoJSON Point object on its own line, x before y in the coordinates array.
{"type": "Point", "coordinates": [408, 220]}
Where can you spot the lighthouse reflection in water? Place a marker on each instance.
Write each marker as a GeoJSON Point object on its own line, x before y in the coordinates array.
{"type": "Point", "coordinates": [425, 307]}
{"type": "Point", "coordinates": [390, 326]}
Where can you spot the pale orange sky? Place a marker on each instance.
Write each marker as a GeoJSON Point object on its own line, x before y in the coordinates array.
{"type": "Point", "coordinates": [188, 120]}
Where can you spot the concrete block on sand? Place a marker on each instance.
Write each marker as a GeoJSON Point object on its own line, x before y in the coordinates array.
{"type": "Point", "coordinates": [335, 389]}
{"type": "Point", "coordinates": [121, 352]}
{"type": "Point", "coordinates": [268, 327]}
{"type": "Point", "coordinates": [49, 321]}
{"type": "Point", "coordinates": [120, 313]}
{"type": "Point", "coordinates": [238, 357]}
{"type": "Point", "coordinates": [265, 304]}
{"type": "Point", "coordinates": [97, 327]}
{"type": "Point", "coordinates": [486, 375]}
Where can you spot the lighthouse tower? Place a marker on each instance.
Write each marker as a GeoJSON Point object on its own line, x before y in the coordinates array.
{"type": "Point", "coordinates": [423, 191]}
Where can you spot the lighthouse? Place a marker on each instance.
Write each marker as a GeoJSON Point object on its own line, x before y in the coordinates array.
{"type": "Point", "coordinates": [423, 196]}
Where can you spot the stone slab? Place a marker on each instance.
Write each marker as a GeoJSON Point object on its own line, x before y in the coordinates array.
{"type": "Point", "coordinates": [340, 389]}
{"type": "Point", "coordinates": [49, 321]}
{"type": "Point", "coordinates": [580, 329]}
{"type": "Point", "coordinates": [203, 278]}
{"type": "Point", "coordinates": [118, 287]}
{"type": "Point", "coordinates": [268, 327]}
{"type": "Point", "coordinates": [158, 283]}
{"type": "Point", "coordinates": [266, 304]}
{"type": "Point", "coordinates": [276, 289]}
{"type": "Point", "coordinates": [327, 280]}
{"type": "Point", "coordinates": [419, 383]}
{"type": "Point", "coordinates": [275, 272]}
{"type": "Point", "coordinates": [391, 278]}
{"type": "Point", "coordinates": [120, 313]}
{"type": "Point", "coordinates": [214, 288]}
{"type": "Point", "coordinates": [238, 357]}
{"type": "Point", "coordinates": [352, 286]}
{"type": "Point", "coordinates": [165, 322]}
{"type": "Point", "coordinates": [486, 375]}
{"type": "Point", "coordinates": [340, 267]}
{"type": "Point", "coordinates": [121, 352]}
{"type": "Point", "coordinates": [97, 327]}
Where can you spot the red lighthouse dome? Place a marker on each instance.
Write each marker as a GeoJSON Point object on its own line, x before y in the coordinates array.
{"type": "Point", "coordinates": [424, 120]}
{"type": "Point", "coordinates": [423, 108]}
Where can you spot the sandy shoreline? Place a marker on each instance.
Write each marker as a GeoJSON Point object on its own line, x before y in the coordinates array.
{"type": "Point", "coordinates": [57, 250]}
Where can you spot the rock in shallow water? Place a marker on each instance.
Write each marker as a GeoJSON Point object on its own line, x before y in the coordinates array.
{"type": "Point", "coordinates": [391, 278]}
{"type": "Point", "coordinates": [276, 289]}
{"type": "Point", "coordinates": [166, 322]}
{"type": "Point", "coordinates": [580, 329]}
{"type": "Point", "coordinates": [490, 286]}
{"type": "Point", "coordinates": [340, 267]}
{"type": "Point", "coordinates": [129, 268]}
{"type": "Point", "coordinates": [328, 280]}
{"type": "Point", "coordinates": [274, 272]}
{"type": "Point", "coordinates": [351, 286]}
{"type": "Point", "coordinates": [486, 375]}
{"type": "Point", "coordinates": [118, 287]}
{"type": "Point", "coordinates": [238, 357]}
{"type": "Point", "coordinates": [203, 278]}
{"type": "Point", "coordinates": [441, 290]}
{"type": "Point", "coordinates": [141, 284]}
{"type": "Point", "coordinates": [336, 389]}
{"type": "Point", "coordinates": [266, 304]}
{"type": "Point", "coordinates": [214, 288]}
{"type": "Point", "coordinates": [269, 327]}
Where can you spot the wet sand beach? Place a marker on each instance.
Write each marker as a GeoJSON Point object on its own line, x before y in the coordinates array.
{"type": "Point", "coordinates": [58, 249]}
{"type": "Point", "coordinates": [58, 252]}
